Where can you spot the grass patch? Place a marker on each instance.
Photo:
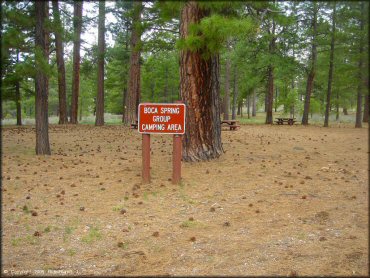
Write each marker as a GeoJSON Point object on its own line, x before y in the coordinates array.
{"type": "Point", "coordinates": [92, 236]}
{"type": "Point", "coordinates": [118, 207]}
{"type": "Point", "coordinates": [187, 199]}
{"type": "Point", "coordinates": [301, 236]}
{"type": "Point", "coordinates": [67, 232]}
{"type": "Point", "coordinates": [146, 194]}
{"type": "Point", "coordinates": [157, 248]}
{"type": "Point", "coordinates": [32, 240]}
{"type": "Point", "coordinates": [21, 150]}
{"type": "Point", "coordinates": [28, 228]}
{"type": "Point", "coordinates": [71, 252]}
{"type": "Point", "coordinates": [26, 209]}
{"type": "Point", "coordinates": [123, 245]}
{"type": "Point", "coordinates": [189, 224]}
{"type": "Point", "coordinates": [16, 241]}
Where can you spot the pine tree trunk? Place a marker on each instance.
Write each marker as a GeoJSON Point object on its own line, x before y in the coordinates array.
{"type": "Point", "coordinates": [99, 120]}
{"type": "Point", "coordinates": [18, 97]}
{"type": "Point", "coordinates": [18, 103]}
{"type": "Point", "coordinates": [254, 104]}
{"type": "Point", "coordinates": [292, 105]}
{"type": "Point", "coordinates": [239, 111]}
{"type": "Point", "coordinates": [241, 108]}
{"type": "Point", "coordinates": [345, 111]}
{"type": "Point", "coordinates": [165, 91]}
{"type": "Point", "coordinates": [80, 113]}
{"type": "Point", "coordinates": [152, 86]}
{"type": "Point", "coordinates": [270, 95]}
{"type": "Point", "coordinates": [41, 103]}
{"type": "Point", "coordinates": [311, 75]}
{"type": "Point", "coordinates": [276, 97]}
{"type": "Point", "coordinates": [235, 93]}
{"type": "Point", "coordinates": [266, 100]}
{"type": "Point", "coordinates": [226, 103]}
{"type": "Point", "coordinates": [124, 92]}
{"type": "Point", "coordinates": [337, 107]}
{"type": "Point", "coordinates": [365, 118]}
{"type": "Point", "coordinates": [360, 71]}
{"type": "Point", "coordinates": [331, 68]}
{"type": "Point", "coordinates": [199, 88]}
{"type": "Point", "coordinates": [172, 94]}
{"type": "Point", "coordinates": [124, 99]}
{"type": "Point", "coordinates": [77, 25]}
{"type": "Point", "coordinates": [47, 45]}
{"type": "Point", "coordinates": [63, 119]}
{"type": "Point", "coordinates": [133, 95]}
{"type": "Point", "coordinates": [248, 105]}
{"type": "Point", "coordinates": [270, 79]}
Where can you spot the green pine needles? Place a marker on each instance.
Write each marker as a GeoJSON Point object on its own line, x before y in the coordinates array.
{"type": "Point", "coordinates": [210, 34]}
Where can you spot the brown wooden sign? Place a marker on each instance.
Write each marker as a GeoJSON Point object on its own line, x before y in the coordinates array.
{"type": "Point", "coordinates": [161, 118]}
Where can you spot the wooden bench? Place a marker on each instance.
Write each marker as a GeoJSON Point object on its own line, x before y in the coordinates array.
{"type": "Point", "coordinates": [233, 124]}
{"type": "Point", "coordinates": [134, 125]}
{"type": "Point", "coordinates": [281, 121]}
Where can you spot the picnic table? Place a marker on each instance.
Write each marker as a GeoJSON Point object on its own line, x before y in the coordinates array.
{"type": "Point", "coordinates": [233, 124]}
{"type": "Point", "coordinates": [134, 125]}
{"type": "Point", "coordinates": [281, 121]}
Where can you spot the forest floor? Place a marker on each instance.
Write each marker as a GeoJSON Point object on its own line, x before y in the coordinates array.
{"type": "Point", "coordinates": [282, 200]}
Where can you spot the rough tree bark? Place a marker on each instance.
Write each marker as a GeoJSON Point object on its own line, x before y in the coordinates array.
{"type": "Point", "coordinates": [99, 119]}
{"type": "Point", "coordinates": [124, 91]}
{"type": "Point", "coordinates": [248, 105]}
{"type": "Point", "coordinates": [276, 98]}
{"type": "Point", "coordinates": [331, 67]}
{"type": "Point", "coordinates": [226, 102]}
{"type": "Point", "coordinates": [266, 102]}
{"type": "Point", "coordinates": [311, 75]}
{"type": "Point", "coordinates": [199, 88]}
{"type": "Point", "coordinates": [18, 103]}
{"type": "Point", "coordinates": [365, 118]}
{"type": "Point", "coordinates": [235, 93]}
{"type": "Point", "coordinates": [18, 97]}
{"type": "Point", "coordinates": [360, 71]}
{"type": "Point", "coordinates": [270, 94]}
{"type": "Point", "coordinates": [270, 79]}
{"type": "Point", "coordinates": [239, 108]}
{"type": "Point", "coordinates": [77, 25]}
{"type": "Point", "coordinates": [133, 93]}
{"type": "Point", "coordinates": [41, 103]}
{"type": "Point", "coordinates": [63, 119]}
{"type": "Point", "coordinates": [80, 107]}
{"type": "Point", "coordinates": [337, 107]}
{"type": "Point", "coordinates": [254, 103]}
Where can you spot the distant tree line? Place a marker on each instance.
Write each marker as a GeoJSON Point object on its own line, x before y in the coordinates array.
{"type": "Point", "coordinates": [218, 57]}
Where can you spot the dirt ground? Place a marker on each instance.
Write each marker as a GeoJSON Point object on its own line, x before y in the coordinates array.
{"type": "Point", "coordinates": [282, 200]}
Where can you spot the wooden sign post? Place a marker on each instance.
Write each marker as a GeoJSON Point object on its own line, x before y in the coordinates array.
{"type": "Point", "coordinates": [163, 119]}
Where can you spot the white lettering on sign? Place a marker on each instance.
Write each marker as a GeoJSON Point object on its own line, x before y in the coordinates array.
{"type": "Point", "coordinates": [164, 119]}
{"type": "Point", "coordinates": [161, 118]}
{"type": "Point", "coordinates": [170, 110]}
{"type": "Point", "coordinates": [174, 127]}
{"type": "Point", "coordinates": [148, 127]}
{"type": "Point", "coordinates": [150, 110]}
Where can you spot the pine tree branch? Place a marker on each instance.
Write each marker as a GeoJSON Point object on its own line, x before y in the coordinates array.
{"type": "Point", "coordinates": [165, 29]}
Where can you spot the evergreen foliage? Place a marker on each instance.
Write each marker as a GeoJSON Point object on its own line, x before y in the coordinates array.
{"type": "Point", "coordinates": [244, 26]}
